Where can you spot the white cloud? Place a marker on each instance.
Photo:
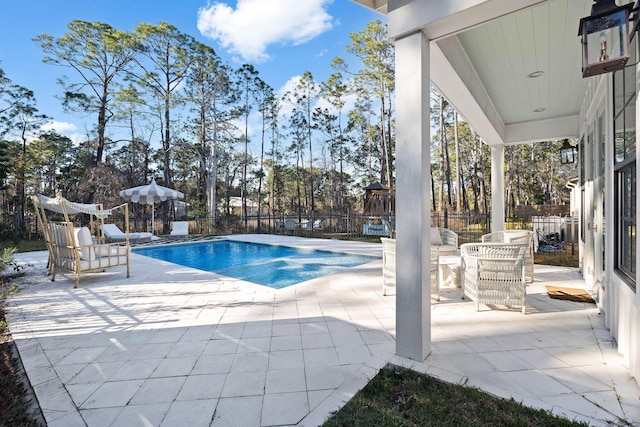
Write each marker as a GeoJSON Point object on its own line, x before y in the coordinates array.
{"type": "Point", "coordinates": [60, 127]}
{"type": "Point", "coordinates": [253, 25]}
{"type": "Point", "coordinates": [66, 129]}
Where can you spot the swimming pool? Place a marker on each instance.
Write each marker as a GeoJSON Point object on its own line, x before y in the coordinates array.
{"type": "Point", "coordinates": [268, 265]}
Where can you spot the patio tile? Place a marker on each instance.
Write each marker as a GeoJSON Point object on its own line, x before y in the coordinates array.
{"type": "Point", "coordinates": [286, 329]}
{"type": "Point", "coordinates": [71, 419]}
{"type": "Point", "coordinates": [153, 351]}
{"type": "Point", "coordinates": [293, 342]}
{"type": "Point", "coordinates": [578, 380]}
{"type": "Point", "coordinates": [136, 369]}
{"type": "Point", "coordinates": [190, 413]}
{"type": "Point", "coordinates": [315, 357]}
{"type": "Point", "coordinates": [316, 340]}
{"type": "Point", "coordinates": [540, 359]}
{"type": "Point", "coordinates": [157, 390]}
{"type": "Point", "coordinates": [174, 367]}
{"type": "Point", "coordinates": [100, 416]}
{"type": "Point", "coordinates": [80, 392]}
{"type": "Point", "coordinates": [285, 380]}
{"type": "Point", "coordinates": [257, 330]}
{"type": "Point", "coordinates": [353, 354]}
{"type": "Point", "coordinates": [96, 372]}
{"type": "Point", "coordinates": [249, 362]}
{"type": "Point", "coordinates": [223, 339]}
{"type": "Point", "coordinates": [227, 331]}
{"type": "Point", "coordinates": [187, 349]}
{"type": "Point", "coordinates": [252, 345]}
{"type": "Point", "coordinates": [198, 387]}
{"type": "Point", "coordinates": [322, 378]}
{"type": "Point", "coordinates": [238, 412]}
{"type": "Point", "coordinates": [146, 415]}
{"type": "Point", "coordinates": [82, 355]}
{"type": "Point", "coordinates": [314, 327]}
{"type": "Point", "coordinates": [316, 397]}
{"type": "Point", "coordinates": [111, 394]}
{"type": "Point", "coordinates": [167, 336]}
{"type": "Point", "coordinates": [506, 361]}
{"type": "Point", "coordinates": [286, 359]}
{"type": "Point", "coordinates": [240, 384]}
{"type": "Point", "coordinates": [538, 383]}
{"type": "Point", "coordinates": [220, 346]}
{"type": "Point", "coordinates": [214, 364]}
{"type": "Point", "coordinates": [285, 408]}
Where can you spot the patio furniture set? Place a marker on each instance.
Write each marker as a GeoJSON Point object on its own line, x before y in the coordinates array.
{"type": "Point", "coordinates": [74, 249]}
{"type": "Point", "coordinates": [494, 271]}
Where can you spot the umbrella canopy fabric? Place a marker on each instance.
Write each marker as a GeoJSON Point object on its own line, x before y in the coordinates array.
{"type": "Point", "coordinates": [150, 194]}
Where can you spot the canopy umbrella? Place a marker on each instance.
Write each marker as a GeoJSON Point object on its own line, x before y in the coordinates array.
{"type": "Point", "coordinates": [151, 194]}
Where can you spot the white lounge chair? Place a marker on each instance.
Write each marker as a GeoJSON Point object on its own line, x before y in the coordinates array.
{"type": "Point", "coordinates": [290, 224]}
{"type": "Point", "coordinates": [515, 236]}
{"type": "Point", "coordinates": [445, 240]}
{"type": "Point", "coordinates": [377, 227]}
{"type": "Point", "coordinates": [113, 234]}
{"type": "Point", "coordinates": [179, 230]}
{"type": "Point", "coordinates": [389, 267]}
{"type": "Point", "coordinates": [493, 273]}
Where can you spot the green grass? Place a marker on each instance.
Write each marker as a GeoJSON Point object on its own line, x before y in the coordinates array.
{"type": "Point", "coordinates": [24, 245]}
{"type": "Point", "coordinates": [400, 397]}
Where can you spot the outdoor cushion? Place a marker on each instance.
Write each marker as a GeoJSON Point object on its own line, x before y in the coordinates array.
{"type": "Point", "coordinates": [436, 238]}
{"type": "Point", "coordinates": [84, 242]}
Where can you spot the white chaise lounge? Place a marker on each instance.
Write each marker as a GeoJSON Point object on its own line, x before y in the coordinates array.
{"type": "Point", "coordinates": [113, 234]}
{"type": "Point", "coordinates": [179, 230]}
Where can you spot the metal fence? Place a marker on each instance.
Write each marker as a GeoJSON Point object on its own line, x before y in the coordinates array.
{"type": "Point", "coordinates": [555, 232]}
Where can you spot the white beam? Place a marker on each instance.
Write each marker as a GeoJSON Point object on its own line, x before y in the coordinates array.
{"type": "Point", "coordinates": [413, 241]}
{"type": "Point", "coordinates": [543, 130]}
{"type": "Point", "coordinates": [456, 79]}
{"type": "Point", "coordinates": [442, 18]}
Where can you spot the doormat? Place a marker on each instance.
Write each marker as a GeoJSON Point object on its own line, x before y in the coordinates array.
{"type": "Point", "coordinates": [569, 294]}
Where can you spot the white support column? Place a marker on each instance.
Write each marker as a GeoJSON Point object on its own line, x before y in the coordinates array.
{"type": "Point", "coordinates": [413, 244]}
{"type": "Point", "coordinates": [497, 187]}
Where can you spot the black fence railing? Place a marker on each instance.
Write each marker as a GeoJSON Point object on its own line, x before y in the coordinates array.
{"type": "Point", "coordinates": [553, 233]}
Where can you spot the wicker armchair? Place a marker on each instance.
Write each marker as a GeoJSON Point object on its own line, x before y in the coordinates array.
{"type": "Point", "coordinates": [445, 240]}
{"type": "Point", "coordinates": [493, 273]}
{"type": "Point", "coordinates": [389, 267]}
{"type": "Point", "coordinates": [515, 236]}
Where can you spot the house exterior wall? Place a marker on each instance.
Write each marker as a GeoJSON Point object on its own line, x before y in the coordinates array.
{"type": "Point", "coordinates": [618, 302]}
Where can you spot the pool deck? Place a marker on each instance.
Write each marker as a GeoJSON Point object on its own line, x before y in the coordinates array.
{"type": "Point", "coordinates": [174, 346]}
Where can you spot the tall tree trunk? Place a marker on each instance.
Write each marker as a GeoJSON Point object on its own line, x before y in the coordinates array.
{"type": "Point", "coordinates": [441, 198]}
{"type": "Point", "coordinates": [458, 177]}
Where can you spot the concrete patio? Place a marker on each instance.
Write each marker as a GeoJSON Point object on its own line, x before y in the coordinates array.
{"type": "Point", "coordinates": [173, 346]}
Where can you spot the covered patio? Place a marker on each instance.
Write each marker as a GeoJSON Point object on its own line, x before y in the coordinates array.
{"type": "Point", "coordinates": [177, 346]}
{"type": "Point", "coordinates": [513, 70]}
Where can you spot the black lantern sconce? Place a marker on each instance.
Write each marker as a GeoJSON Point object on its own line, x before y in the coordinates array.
{"type": "Point", "coordinates": [605, 38]}
{"type": "Point", "coordinates": [568, 153]}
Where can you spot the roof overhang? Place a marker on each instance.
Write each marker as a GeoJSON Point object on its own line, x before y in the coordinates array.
{"type": "Point", "coordinates": [482, 53]}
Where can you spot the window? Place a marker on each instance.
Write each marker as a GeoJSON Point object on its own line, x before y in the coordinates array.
{"type": "Point", "coordinates": [624, 100]}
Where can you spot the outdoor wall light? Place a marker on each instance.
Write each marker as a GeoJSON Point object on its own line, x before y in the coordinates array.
{"type": "Point", "coordinates": [568, 153]}
{"type": "Point", "coordinates": [605, 38]}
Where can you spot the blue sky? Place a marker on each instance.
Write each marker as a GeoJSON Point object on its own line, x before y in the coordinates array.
{"type": "Point", "coordinates": [282, 38]}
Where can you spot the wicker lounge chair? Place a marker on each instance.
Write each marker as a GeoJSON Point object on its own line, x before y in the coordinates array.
{"type": "Point", "coordinates": [515, 236]}
{"type": "Point", "coordinates": [493, 273]}
{"type": "Point", "coordinates": [389, 267]}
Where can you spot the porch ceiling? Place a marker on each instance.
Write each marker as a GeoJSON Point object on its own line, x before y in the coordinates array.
{"type": "Point", "coordinates": [484, 70]}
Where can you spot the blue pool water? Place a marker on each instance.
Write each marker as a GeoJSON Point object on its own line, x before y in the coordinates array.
{"type": "Point", "coordinates": [268, 265]}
